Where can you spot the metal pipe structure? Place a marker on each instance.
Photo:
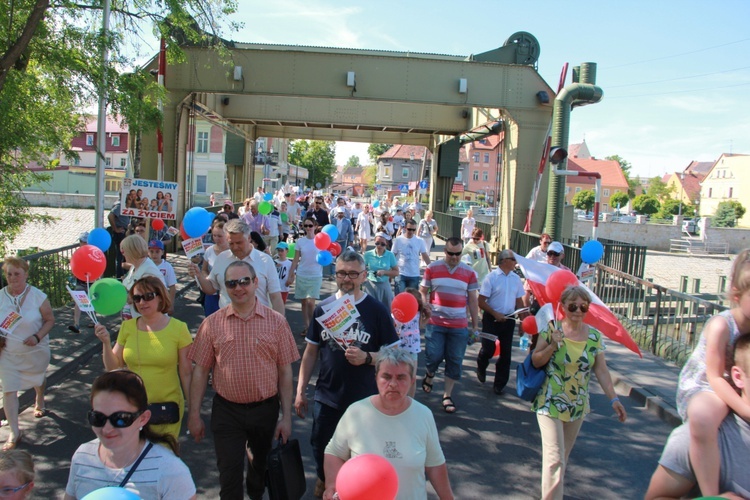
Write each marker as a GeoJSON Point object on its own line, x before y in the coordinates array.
{"type": "Point", "coordinates": [101, 124]}
{"type": "Point", "coordinates": [597, 193]}
{"type": "Point", "coordinates": [573, 95]}
{"type": "Point", "coordinates": [159, 137]}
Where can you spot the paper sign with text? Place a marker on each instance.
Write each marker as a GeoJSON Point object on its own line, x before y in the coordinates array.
{"type": "Point", "coordinates": [193, 247]}
{"type": "Point", "coordinates": [337, 317]}
{"type": "Point", "coordinates": [81, 298]}
{"type": "Point", "coordinates": [149, 198]}
{"type": "Point", "coordinates": [10, 323]}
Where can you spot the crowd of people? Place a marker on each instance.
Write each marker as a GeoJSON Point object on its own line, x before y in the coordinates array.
{"type": "Point", "coordinates": [158, 374]}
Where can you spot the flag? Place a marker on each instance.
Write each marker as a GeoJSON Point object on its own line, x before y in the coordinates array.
{"type": "Point", "coordinates": [599, 315]}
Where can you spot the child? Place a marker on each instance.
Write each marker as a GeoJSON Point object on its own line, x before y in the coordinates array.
{"type": "Point", "coordinates": [156, 251]}
{"type": "Point", "coordinates": [408, 333]}
{"type": "Point", "coordinates": [282, 267]}
{"type": "Point", "coordinates": [704, 396]}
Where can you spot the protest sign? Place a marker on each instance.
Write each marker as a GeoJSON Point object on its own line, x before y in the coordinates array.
{"type": "Point", "coordinates": [149, 198]}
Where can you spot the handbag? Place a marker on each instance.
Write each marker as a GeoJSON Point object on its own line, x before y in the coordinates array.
{"type": "Point", "coordinates": [164, 413]}
{"type": "Point", "coordinates": [285, 476]}
{"type": "Point", "coordinates": [529, 379]}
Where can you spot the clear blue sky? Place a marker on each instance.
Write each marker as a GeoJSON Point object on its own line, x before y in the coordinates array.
{"type": "Point", "coordinates": [674, 73]}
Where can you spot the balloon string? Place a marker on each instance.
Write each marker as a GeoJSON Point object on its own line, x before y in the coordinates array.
{"type": "Point", "coordinates": [90, 314]}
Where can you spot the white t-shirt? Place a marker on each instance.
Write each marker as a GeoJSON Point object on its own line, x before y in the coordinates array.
{"type": "Point", "coordinates": [307, 265]}
{"type": "Point", "coordinates": [408, 251]}
{"type": "Point", "coordinates": [537, 254]}
{"type": "Point", "coordinates": [282, 268]}
{"type": "Point", "coordinates": [160, 475]}
{"type": "Point", "coordinates": [274, 221]}
{"type": "Point", "coordinates": [409, 441]}
{"type": "Point", "coordinates": [502, 290]}
{"type": "Point", "coordinates": [265, 271]}
{"type": "Point", "coordinates": [167, 271]}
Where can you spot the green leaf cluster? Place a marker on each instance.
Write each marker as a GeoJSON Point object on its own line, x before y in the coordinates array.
{"type": "Point", "coordinates": [584, 200]}
{"type": "Point", "coordinates": [646, 205]}
{"type": "Point", "coordinates": [318, 157]}
{"type": "Point", "coordinates": [377, 149]}
{"type": "Point", "coordinates": [671, 207]}
{"type": "Point", "coordinates": [728, 213]}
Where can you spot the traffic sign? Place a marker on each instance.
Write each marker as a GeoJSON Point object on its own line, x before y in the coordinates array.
{"type": "Point", "coordinates": [423, 184]}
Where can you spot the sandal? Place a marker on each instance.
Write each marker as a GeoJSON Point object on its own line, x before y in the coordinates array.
{"type": "Point", "coordinates": [40, 412]}
{"type": "Point", "coordinates": [448, 405]}
{"type": "Point", "coordinates": [11, 444]}
{"type": "Point", "coordinates": [427, 386]}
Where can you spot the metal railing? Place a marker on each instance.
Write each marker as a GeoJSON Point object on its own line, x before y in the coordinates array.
{"type": "Point", "coordinates": [49, 271]}
{"type": "Point", "coordinates": [450, 225]}
{"type": "Point", "coordinates": [666, 322]}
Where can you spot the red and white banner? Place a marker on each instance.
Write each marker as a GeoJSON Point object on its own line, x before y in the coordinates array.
{"type": "Point", "coordinates": [599, 315]}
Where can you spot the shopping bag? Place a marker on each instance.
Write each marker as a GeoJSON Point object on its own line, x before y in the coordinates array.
{"type": "Point", "coordinates": [285, 476]}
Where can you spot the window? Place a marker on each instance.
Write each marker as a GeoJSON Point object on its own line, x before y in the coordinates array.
{"type": "Point", "coordinates": [89, 139]}
{"type": "Point", "coordinates": [476, 175]}
{"type": "Point", "coordinates": [567, 189]}
{"type": "Point", "coordinates": [108, 161]}
{"type": "Point", "coordinates": [606, 207]}
{"type": "Point", "coordinates": [475, 157]}
{"type": "Point", "coordinates": [123, 162]}
{"type": "Point", "coordinates": [202, 145]}
{"type": "Point", "coordinates": [112, 185]}
{"type": "Point", "coordinates": [710, 191]}
{"type": "Point", "coordinates": [405, 172]}
{"type": "Point", "coordinates": [499, 158]}
{"type": "Point", "coordinates": [485, 176]}
{"type": "Point", "coordinates": [77, 162]}
{"type": "Point", "coordinates": [115, 141]}
{"type": "Point", "coordinates": [578, 190]}
{"type": "Point", "coordinates": [387, 172]}
{"type": "Point", "coordinates": [459, 175]}
{"type": "Point", "coordinates": [486, 157]}
{"type": "Point", "coordinates": [730, 193]}
{"type": "Point", "coordinates": [200, 183]}
{"type": "Point", "coordinates": [606, 192]}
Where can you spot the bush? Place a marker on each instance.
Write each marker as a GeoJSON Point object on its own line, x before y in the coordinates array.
{"type": "Point", "coordinates": [728, 213]}
{"type": "Point", "coordinates": [646, 205]}
{"type": "Point", "coordinates": [50, 274]}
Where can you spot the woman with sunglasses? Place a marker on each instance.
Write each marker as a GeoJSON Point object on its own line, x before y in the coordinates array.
{"type": "Point", "coordinates": [308, 273]}
{"type": "Point", "coordinates": [16, 474]}
{"type": "Point", "coordinates": [568, 355]}
{"type": "Point", "coordinates": [123, 453]}
{"type": "Point", "coordinates": [155, 347]}
{"type": "Point", "coordinates": [476, 254]}
{"type": "Point", "coordinates": [381, 267]}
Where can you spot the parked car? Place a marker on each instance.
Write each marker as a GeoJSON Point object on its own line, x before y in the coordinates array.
{"type": "Point", "coordinates": [690, 225]}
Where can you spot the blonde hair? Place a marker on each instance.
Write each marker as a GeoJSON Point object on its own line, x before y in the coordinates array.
{"type": "Point", "coordinates": [740, 276]}
{"type": "Point", "coordinates": [16, 262]}
{"type": "Point", "coordinates": [572, 293]}
{"type": "Point", "coordinates": [20, 462]}
{"type": "Point", "coordinates": [135, 246]}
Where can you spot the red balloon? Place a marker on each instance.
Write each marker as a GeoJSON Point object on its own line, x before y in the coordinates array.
{"type": "Point", "coordinates": [390, 219]}
{"type": "Point", "coordinates": [335, 249]}
{"type": "Point", "coordinates": [404, 307]}
{"type": "Point", "coordinates": [367, 477]}
{"type": "Point", "coordinates": [322, 241]}
{"type": "Point", "coordinates": [183, 234]}
{"type": "Point", "coordinates": [558, 282]}
{"type": "Point", "coordinates": [497, 348]}
{"type": "Point", "coordinates": [528, 325]}
{"type": "Point", "coordinates": [559, 314]}
{"type": "Point", "coordinates": [157, 224]}
{"type": "Point", "coordinates": [88, 263]}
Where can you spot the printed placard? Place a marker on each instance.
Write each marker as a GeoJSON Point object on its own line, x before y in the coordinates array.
{"type": "Point", "coordinates": [193, 247]}
{"type": "Point", "coordinates": [81, 298]}
{"type": "Point", "coordinates": [337, 317]}
{"type": "Point", "coordinates": [173, 231]}
{"type": "Point", "coordinates": [149, 198]}
{"type": "Point", "coordinates": [10, 323]}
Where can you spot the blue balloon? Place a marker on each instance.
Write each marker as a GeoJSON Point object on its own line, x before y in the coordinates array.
{"type": "Point", "coordinates": [331, 231]}
{"type": "Point", "coordinates": [111, 493]}
{"type": "Point", "coordinates": [324, 258]}
{"type": "Point", "coordinates": [197, 221]}
{"type": "Point", "coordinates": [100, 238]}
{"type": "Point", "coordinates": [376, 204]}
{"type": "Point", "coordinates": [268, 197]}
{"type": "Point", "coordinates": [592, 251]}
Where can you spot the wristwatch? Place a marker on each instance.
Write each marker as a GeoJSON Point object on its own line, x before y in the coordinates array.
{"type": "Point", "coordinates": [368, 359]}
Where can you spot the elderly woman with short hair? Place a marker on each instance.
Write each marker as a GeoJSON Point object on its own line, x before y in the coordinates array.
{"type": "Point", "coordinates": [392, 417]}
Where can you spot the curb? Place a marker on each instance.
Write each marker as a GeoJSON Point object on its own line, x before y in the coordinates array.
{"type": "Point", "coordinates": [652, 402]}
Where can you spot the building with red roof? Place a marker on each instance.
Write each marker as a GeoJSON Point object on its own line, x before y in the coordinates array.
{"type": "Point", "coordinates": [613, 179]}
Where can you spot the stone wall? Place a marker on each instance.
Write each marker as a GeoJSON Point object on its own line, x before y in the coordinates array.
{"type": "Point", "coordinates": [65, 200]}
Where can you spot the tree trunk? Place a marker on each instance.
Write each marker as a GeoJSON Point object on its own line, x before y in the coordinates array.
{"type": "Point", "coordinates": [16, 51]}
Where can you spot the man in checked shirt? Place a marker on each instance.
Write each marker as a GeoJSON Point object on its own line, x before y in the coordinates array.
{"type": "Point", "coordinates": [251, 349]}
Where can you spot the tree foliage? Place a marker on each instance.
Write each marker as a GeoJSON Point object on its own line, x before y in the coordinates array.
{"type": "Point", "coordinates": [352, 162]}
{"type": "Point", "coordinates": [671, 207]}
{"type": "Point", "coordinates": [659, 189]}
{"type": "Point", "coordinates": [728, 213]}
{"type": "Point", "coordinates": [377, 149]}
{"type": "Point", "coordinates": [318, 157]}
{"type": "Point", "coordinates": [619, 199]}
{"type": "Point", "coordinates": [625, 166]}
{"type": "Point", "coordinates": [584, 200]}
{"type": "Point", "coordinates": [370, 176]}
{"type": "Point", "coordinates": [645, 204]}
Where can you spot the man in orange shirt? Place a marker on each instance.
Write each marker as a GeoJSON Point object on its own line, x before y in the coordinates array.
{"type": "Point", "coordinates": [250, 349]}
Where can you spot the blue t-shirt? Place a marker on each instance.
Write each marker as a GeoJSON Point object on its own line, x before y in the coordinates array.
{"type": "Point", "coordinates": [375, 262]}
{"type": "Point", "coordinates": [339, 382]}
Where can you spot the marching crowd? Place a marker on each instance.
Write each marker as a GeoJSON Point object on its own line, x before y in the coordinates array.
{"type": "Point", "coordinates": [157, 374]}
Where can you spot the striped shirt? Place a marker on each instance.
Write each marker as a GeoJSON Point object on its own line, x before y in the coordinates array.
{"type": "Point", "coordinates": [245, 354]}
{"type": "Point", "coordinates": [449, 292]}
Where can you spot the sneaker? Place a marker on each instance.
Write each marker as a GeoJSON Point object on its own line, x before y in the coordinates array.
{"type": "Point", "coordinates": [320, 488]}
{"type": "Point", "coordinates": [74, 328]}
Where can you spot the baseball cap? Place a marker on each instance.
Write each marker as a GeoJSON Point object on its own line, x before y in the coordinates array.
{"type": "Point", "coordinates": [156, 244]}
{"type": "Point", "coordinates": [556, 246]}
{"type": "Point", "coordinates": [283, 245]}
{"type": "Point", "coordinates": [83, 237]}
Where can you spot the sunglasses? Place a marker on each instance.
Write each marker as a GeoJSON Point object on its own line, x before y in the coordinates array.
{"type": "Point", "coordinates": [454, 254]}
{"type": "Point", "coordinates": [352, 275]}
{"type": "Point", "coordinates": [475, 239]}
{"type": "Point", "coordinates": [574, 307]}
{"type": "Point", "coordinates": [411, 229]}
{"type": "Point", "coordinates": [308, 225]}
{"type": "Point", "coordinates": [379, 244]}
{"type": "Point", "coordinates": [243, 282]}
{"type": "Point", "coordinates": [147, 297]}
{"type": "Point", "coordinates": [553, 254]}
{"type": "Point", "coordinates": [119, 419]}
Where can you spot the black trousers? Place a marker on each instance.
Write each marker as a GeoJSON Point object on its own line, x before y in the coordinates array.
{"type": "Point", "coordinates": [236, 427]}
{"type": "Point", "coordinates": [504, 331]}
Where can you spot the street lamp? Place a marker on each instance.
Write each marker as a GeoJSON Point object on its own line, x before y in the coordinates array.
{"type": "Point", "coordinates": [682, 190]}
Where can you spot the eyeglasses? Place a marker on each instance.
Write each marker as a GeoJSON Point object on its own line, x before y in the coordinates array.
{"type": "Point", "coordinates": [7, 492]}
{"type": "Point", "coordinates": [119, 419]}
{"type": "Point", "coordinates": [318, 202]}
{"type": "Point", "coordinates": [553, 254]}
{"type": "Point", "coordinates": [574, 307]}
{"type": "Point", "coordinates": [380, 244]}
{"type": "Point", "coordinates": [243, 282]}
{"type": "Point", "coordinates": [352, 275]}
{"type": "Point", "coordinates": [475, 239]}
{"type": "Point", "coordinates": [454, 254]}
{"type": "Point", "coordinates": [148, 297]}
{"type": "Point", "coordinates": [308, 225]}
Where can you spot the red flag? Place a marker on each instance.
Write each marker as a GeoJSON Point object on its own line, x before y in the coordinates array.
{"type": "Point", "coordinates": [599, 315]}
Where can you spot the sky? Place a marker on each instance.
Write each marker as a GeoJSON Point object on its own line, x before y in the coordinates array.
{"type": "Point", "coordinates": [674, 73]}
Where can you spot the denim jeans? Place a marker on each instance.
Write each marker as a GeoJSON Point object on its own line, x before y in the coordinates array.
{"type": "Point", "coordinates": [325, 420]}
{"type": "Point", "coordinates": [405, 282]}
{"type": "Point", "coordinates": [449, 344]}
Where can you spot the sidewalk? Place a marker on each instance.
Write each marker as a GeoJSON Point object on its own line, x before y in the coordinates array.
{"type": "Point", "coordinates": [649, 381]}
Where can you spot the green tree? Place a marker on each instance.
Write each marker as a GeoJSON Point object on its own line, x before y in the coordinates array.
{"type": "Point", "coordinates": [645, 204]}
{"type": "Point", "coordinates": [625, 166]}
{"type": "Point", "coordinates": [318, 157]}
{"type": "Point", "coordinates": [370, 176]}
{"type": "Point", "coordinates": [50, 69]}
{"type": "Point", "coordinates": [728, 213]}
{"type": "Point", "coordinates": [584, 200]}
{"type": "Point", "coordinates": [619, 199]}
{"type": "Point", "coordinates": [671, 207]}
{"type": "Point", "coordinates": [659, 189]}
{"type": "Point", "coordinates": [377, 149]}
{"type": "Point", "coordinates": [352, 162]}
